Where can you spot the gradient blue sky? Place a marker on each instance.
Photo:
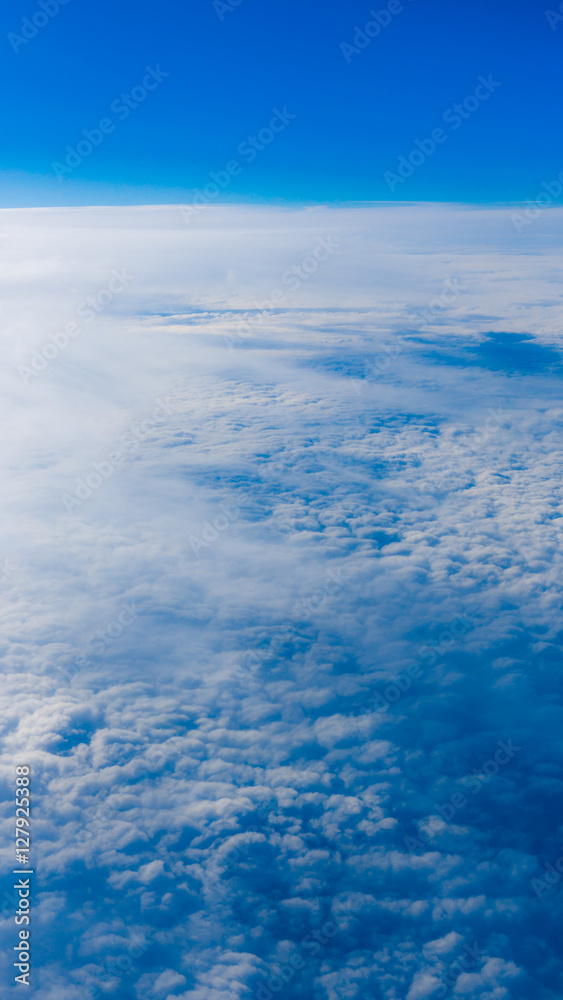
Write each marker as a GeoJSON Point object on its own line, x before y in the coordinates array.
{"type": "Point", "coordinates": [354, 118]}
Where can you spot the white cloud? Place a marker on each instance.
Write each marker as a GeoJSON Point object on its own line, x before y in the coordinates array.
{"type": "Point", "coordinates": [212, 815]}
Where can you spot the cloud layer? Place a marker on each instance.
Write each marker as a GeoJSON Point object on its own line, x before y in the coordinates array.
{"type": "Point", "coordinates": [281, 580]}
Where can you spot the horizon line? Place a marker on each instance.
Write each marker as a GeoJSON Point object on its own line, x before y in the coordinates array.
{"type": "Point", "coordinates": [285, 205]}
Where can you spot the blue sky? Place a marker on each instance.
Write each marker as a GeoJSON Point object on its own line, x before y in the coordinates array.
{"type": "Point", "coordinates": [356, 112]}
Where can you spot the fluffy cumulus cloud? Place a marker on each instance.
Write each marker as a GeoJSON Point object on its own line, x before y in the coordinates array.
{"type": "Point", "coordinates": [281, 571]}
